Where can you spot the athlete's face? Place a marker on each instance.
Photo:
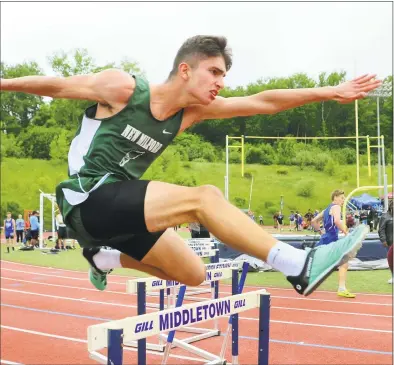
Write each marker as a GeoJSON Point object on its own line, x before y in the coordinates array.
{"type": "Point", "coordinates": [206, 79]}
{"type": "Point", "coordinates": [8, 215]}
{"type": "Point", "coordinates": [340, 199]}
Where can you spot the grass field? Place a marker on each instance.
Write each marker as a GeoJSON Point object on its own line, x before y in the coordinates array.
{"type": "Point", "coordinates": [358, 281]}
{"type": "Point", "coordinates": [21, 180]}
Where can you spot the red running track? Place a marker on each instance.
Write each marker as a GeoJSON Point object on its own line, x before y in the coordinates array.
{"type": "Point", "coordinates": [45, 313]}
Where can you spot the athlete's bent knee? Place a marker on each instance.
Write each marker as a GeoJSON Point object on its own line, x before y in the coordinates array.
{"type": "Point", "coordinates": [209, 192]}
{"type": "Point", "coordinates": [195, 277]}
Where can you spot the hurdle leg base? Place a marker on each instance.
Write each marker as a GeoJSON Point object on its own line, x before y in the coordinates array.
{"type": "Point", "coordinates": [96, 356]}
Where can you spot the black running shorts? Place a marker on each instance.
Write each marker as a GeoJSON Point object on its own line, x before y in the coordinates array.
{"type": "Point", "coordinates": [113, 216]}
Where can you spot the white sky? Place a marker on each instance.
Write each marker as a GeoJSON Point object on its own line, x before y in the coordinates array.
{"type": "Point", "coordinates": [268, 39]}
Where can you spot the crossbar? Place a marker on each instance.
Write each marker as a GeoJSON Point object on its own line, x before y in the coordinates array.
{"type": "Point", "coordinates": [139, 327]}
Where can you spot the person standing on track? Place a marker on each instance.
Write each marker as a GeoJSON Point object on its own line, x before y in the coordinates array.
{"type": "Point", "coordinates": [9, 230]}
{"type": "Point", "coordinates": [129, 126]}
{"type": "Point", "coordinates": [332, 223]}
{"type": "Point", "coordinates": [386, 236]}
{"type": "Point", "coordinates": [20, 228]}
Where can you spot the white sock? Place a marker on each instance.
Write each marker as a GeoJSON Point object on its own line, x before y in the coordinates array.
{"type": "Point", "coordinates": [287, 259]}
{"type": "Point", "coordinates": [107, 259]}
{"type": "Point", "coordinates": [342, 288]}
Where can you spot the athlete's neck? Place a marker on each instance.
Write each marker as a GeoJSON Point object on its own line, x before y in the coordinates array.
{"type": "Point", "coordinates": [169, 98]}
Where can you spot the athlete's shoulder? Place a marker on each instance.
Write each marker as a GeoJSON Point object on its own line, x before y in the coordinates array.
{"type": "Point", "coordinates": [115, 85]}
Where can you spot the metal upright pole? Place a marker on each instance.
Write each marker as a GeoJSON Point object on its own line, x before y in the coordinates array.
{"type": "Point", "coordinates": [41, 229]}
{"type": "Point", "coordinates": [357, 146]}
{"type": "Point", "coordinates": [379, 143]}
{"type": "Point", "coordinates": [227, 170]}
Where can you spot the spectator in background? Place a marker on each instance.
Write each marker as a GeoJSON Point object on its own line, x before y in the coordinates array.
{"type": "Point", "coordinates": [280, 221]}
{"type": "Point", "coordinates": [9, 230]}
{"type": "Point", "coordinates": [299, 221]}
{"type": "Point", "coordinates": [20, 228]}
{"type": "Point", "coordinates": [61, 230]}
{"type": "Point", "coordinates": [34, 228]}
{"type": "Point", "coordinates": [370, 218]}
{"type": "Point", "coordinates": [292, 220]}
{"type": "Point", "coordinates": [275, 217]}
{"type": "Point", "coordinates": [296, 219]}
{"type": "Point", "coordinates": [356, 218]}
{"type": "Point", "coordinates": [261, 220]}
{"type": "Point", "coordinates": [375, 218]}
{"type": "Point", "coordinates": [386, 235]}
{"type": "Point", "coordinates": [308, 217]}
{"type": "Point", "coordinates": [363, 216]}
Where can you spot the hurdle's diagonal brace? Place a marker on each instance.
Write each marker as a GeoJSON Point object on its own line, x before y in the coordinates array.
{"type": "Point", "coordinates": [171, 335]}
{"type": "Point", "coordinates": [135, 328]}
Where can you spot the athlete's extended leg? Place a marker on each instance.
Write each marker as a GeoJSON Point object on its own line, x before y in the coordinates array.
{"type": "Point", "coordinates": [167, 205]}
{"type": "Point", "coordinates": [166, 260]}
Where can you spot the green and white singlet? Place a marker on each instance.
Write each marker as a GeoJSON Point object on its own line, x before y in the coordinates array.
{"type": "Point", "coordinates": [121, 147]}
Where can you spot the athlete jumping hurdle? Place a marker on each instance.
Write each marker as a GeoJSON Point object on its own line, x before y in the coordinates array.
{"type": "Point", "coordinates": [129, 126]}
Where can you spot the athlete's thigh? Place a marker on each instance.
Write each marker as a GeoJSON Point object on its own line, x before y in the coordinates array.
{"type": "Point", "coordinates": [175, 258]}
{"type": "Point", "coordinates": [167, 204]}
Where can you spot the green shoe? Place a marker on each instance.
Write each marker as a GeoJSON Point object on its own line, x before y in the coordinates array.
{"type": "Point", "coordinates": [98, 277]}
{"type": "Point", "coordinates": [323, 260]}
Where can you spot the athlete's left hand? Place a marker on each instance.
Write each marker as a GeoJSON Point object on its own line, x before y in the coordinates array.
{"type": "Point", "coordinates": [355, 89]}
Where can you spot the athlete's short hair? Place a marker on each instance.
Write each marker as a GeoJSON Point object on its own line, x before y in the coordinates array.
{"type": "Point", "coordinates": [336, 193]}
{"type": "Point", "coordinates": [201, 47]}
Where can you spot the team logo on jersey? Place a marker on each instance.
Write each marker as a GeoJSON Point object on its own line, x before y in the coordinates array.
{"type": "Point", "coordinates": [141, 139]}
{"type": "Point", "coordinates": [131, 155]}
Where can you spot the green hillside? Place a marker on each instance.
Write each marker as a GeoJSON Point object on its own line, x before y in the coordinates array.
{"type": "Point", "coordinates": [21, 180]}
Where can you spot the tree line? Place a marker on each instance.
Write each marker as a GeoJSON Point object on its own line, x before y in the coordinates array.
{"type": "Point", "coordinates": [35, 127]}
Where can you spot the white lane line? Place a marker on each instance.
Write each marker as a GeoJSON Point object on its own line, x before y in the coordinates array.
{"type": "Point", "coordinates": [226, 293]}
{"type": "Point", "coordinates": [242, 318]}
{"type": "Point", "coordinates": [73, 339]}
{"type": "Point", "coordinates": [65, 286]}
{"type": "Point", "coordinates": [276, 307]}
{"type": "Point", "coordinates": [225, 285]}
{"type": "Point", "coordinates": [58, 276]}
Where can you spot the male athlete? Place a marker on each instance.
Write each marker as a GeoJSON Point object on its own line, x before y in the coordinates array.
{"type": "Point", "coordinates": [332, 223]}
{"type": "Point", "coordinates": [9, 232]}
{"type": "Point", "coordinates": [129, 126]}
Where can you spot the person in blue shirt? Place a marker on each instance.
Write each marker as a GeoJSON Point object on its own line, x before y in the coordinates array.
{"type": "Point", "coordinates": [332, 224]}
{"type": "Point", "coordinates": [9, 230]}
{"type": "Point", "coordinates": [34, 228]}
{"type": "Point", "coordinates": [20, 227]}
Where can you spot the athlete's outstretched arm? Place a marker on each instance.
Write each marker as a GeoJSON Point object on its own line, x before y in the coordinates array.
{"type": "Point", "coordinates": [106, 87]}
{"type": "Point", "coordinates": [275, 101]}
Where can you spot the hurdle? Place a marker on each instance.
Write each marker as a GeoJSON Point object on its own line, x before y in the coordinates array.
{"type": "Point", "coordinates": [214, 273]}
{"type": "Point", "coordinates": [112, 335]}
{"type": "Point", "coordinates": [203, 247]}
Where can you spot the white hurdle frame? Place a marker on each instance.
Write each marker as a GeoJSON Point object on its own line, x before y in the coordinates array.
{"type": "Point", "coordinates": [52, 198]}
{"type": "Point", "coordinates": [203, 247]}
{"type": "Point", "coordinates": [113, 334]}
{"type": "Point", "coordinates": [214, 273]}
